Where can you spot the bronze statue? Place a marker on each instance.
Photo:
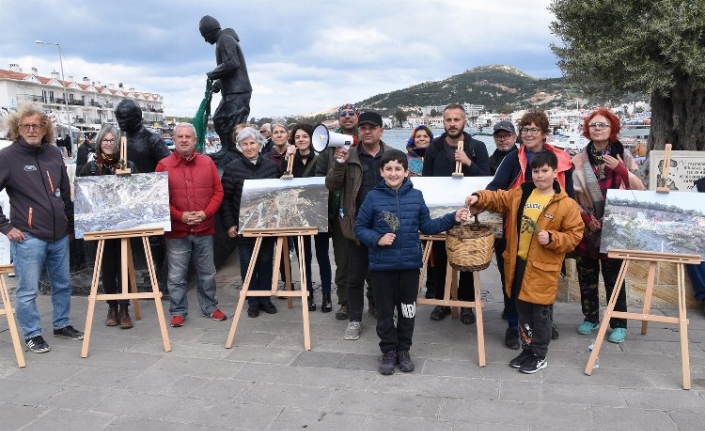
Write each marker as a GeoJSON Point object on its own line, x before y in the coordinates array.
{"type": "Point", "coordinates": [145, 148]}
{"type": "Point", "coordinates": [231, 79]}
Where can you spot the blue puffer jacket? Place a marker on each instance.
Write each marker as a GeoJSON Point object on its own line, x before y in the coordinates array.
{"type": "Point", "coordinates": [407, 207]}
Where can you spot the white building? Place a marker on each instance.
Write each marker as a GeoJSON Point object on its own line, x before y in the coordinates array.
{"type": "Point", "coordinates": [88, 103]}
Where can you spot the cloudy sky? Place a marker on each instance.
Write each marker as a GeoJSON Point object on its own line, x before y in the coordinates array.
{"type": "Point", "coordinates": [303, 56]}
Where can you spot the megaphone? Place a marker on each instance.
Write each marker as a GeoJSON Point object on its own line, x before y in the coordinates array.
{"type": "Point", "coordinates": [323, 138]}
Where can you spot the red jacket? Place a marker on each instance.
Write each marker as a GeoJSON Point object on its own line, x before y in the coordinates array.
{"type": "Point", "coordinates": [194, 185]}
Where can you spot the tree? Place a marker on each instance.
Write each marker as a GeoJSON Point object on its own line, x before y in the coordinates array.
{"type": "Point", "coordinates": [612, 47]}
{"type": "Point", "coordinates": [400, 116]}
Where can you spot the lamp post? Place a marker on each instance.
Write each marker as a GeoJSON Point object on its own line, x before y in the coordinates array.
{"type": "Point", "coordinates": [63, 84]}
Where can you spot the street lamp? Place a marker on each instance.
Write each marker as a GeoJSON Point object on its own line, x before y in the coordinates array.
{"type": "Point", "coordinates": [63, 82]}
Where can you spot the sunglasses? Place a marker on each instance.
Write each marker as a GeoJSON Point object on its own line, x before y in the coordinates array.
{"type": "Point", "coordinates": [347, 114]}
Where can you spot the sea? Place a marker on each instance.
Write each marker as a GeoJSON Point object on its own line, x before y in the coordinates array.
{"type": "Point", "coordinates": [398, 138]}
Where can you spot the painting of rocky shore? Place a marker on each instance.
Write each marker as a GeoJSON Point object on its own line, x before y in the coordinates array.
{"type": "Point", "coordinates": [659, 222]}
{"type": "Point", "coordinates": [284, 204]}
{"type": "Point", "coordinates": [112, 202]}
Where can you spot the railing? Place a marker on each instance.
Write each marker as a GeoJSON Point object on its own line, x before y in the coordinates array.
{"type": "Point", "coordinates": [30, 97]}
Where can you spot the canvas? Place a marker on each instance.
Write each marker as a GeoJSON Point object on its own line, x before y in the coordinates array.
{"type": "Point", "coordinates": [284, 204]}
{"type": "Point", "coordinates": [447, 194]}
{"type": "Point", "coordinates": [659, 222]}
{"type": "Point", "coordinates": [115, 202]}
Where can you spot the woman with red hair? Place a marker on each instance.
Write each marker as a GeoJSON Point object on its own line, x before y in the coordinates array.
{"type": "Point", "coordinates": [601, 165]}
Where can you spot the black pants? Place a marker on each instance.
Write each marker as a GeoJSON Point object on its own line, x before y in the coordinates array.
{"type": "Point", "coordinates": [358, 263]}
{"type": "Point", "coordinates": [466, 284]}
{"type": "Point", "coordinates": [395, 290]}
{"type": "Point", "coordinates": [535, 320]}
{"type": "Point", "coordinates": [510, 309]}
{"type": "Point", "coordinates": [588, 279]}
{"type": "Point", "coordinates": [234, 109]}
{"type": "Point", "coordinates": [111, 269]}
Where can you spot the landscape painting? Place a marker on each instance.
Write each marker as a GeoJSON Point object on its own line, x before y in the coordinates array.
{"type": "Point", "coordinates": [447, 194]}
{"type": "Point", "coordinates": [117, 202]}
{"type": "Point", "coordinates": [659, 222]}
{"type": "Point", "coordinates": [284, 204]}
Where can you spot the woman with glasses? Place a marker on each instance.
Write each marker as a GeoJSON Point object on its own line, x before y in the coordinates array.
{"type": "Point", "coordinates": [601, 165]}
{"type": "Point", "coordinates": [107, 159]}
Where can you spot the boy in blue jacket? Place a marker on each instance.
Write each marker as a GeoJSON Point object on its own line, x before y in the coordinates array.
{"type": "Point", "coordinates": [388, 223]}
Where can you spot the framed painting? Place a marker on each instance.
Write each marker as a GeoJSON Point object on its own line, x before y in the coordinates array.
{"type": "Point", "coordinates": [686, 167]}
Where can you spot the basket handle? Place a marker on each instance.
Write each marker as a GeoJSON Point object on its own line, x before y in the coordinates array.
{"type": "Point", "coordinates": [475, 226]}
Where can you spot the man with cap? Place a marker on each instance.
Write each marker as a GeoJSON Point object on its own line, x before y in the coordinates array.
{"type": "Point", "coordinates": [354, 173]}
{"type": "Point", "coordinates": [505, 138]}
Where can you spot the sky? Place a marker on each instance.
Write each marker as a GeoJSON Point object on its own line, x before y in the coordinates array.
{"type": "Point", "coordinates": [303, 56]}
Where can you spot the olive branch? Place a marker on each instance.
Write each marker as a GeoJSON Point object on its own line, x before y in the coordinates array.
{"type": "Point", "coordinates": [391, 219]}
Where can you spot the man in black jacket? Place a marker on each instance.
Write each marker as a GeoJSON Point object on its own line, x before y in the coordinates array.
{"type": "Point", "coordinates": [440, 160]}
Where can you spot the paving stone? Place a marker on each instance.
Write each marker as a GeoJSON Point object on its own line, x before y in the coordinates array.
{"type": "Point", "coordinates": [629, 419]}
{"type": "Point", "coordinates": [384, 404]}
{"type": "Point", "coordinates": [224, 414]}
{"type": "Point", "coordinates": [277, 394]}
{"type": "Point", "coordinates": [138, 404]}
{"type": "Point", "coordinates": [528, 391]}
{"type": "Point", "coordinates": [653, 399]}
{"type": "Point", "coordinates": [62, 419]}
{"type": "Point", "coordinates": [315, 420]}
{"type": "Point", "coordinates": [16, 416]}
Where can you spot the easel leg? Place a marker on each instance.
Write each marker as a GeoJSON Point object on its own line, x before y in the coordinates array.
{"type": "Point", "coordinates": [424, 264]}
{"type": "Point", "coordinates": [287, 269]}
{"type": "Point", "coordinates": [133, 282]}
{"type": "Point", "coordinates": [650, 280]}
{"type": "Point", "coordinates": [10, 315]}
{"type": "Point", "coordinates": [683, 324]}
{"type": "Point", "coordinates": [91, 298]}
{"type": "Point", "coordinates": [243, 293]}
{"type": "Point", "coordinates": [453, 288]}
{"type": "Point", "coordinates": [157, 293]}
{"type": "Point", "coordinates": [304, 292]}
{"type": "Point", "coordinates": [479, 322]}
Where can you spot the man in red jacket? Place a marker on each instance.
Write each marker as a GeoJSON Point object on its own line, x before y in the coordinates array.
{"type": "Point", "coordinates": [195, 195]}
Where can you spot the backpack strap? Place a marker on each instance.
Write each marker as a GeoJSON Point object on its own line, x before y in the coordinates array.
{"type": "Point", "coordinates": [94, 167]}
{"type": "Point", "coordinates": [310, 166]}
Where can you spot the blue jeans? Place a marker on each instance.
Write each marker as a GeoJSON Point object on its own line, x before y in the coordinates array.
{"type": "Point", "coordinates": [262, 275]}
{"type": "Point", "coordinates": [28, 257]}
{"type": "Point", "coordinates": [179, 252]}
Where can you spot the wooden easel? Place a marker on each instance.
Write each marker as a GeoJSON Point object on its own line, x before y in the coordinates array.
{"type": "Point", "coordinates": [123, 169]}
{"type": "Point", "coordinates": [289, 168]}
{"type": "Point", "coordinates": [451, 290]}
{"type": "Point", "coordinates": [9, 313]}
{"type": "Point", "coordinates": [282, 236]}
{"type": "Point", "coordinates": [653, 258]}
{"type": "Point", "coordinates": [458, 165]}
{"type": "Point", "coordinates": [128, 272]}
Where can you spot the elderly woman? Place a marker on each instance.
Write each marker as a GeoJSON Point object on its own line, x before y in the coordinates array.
{"type": "Point", "coordinates": [601, 165]}
{"type": "Point", "coordinates": [250, 167]}
{"type": "Point", "coordinates": [280, 139]}
{"type": "Point", "coordinates": [107, 159]}
{"type": "Point", "coordinates": [421, 138]}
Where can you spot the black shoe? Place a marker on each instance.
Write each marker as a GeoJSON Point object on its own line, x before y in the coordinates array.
{"type": "Point", "coordinates": [523, 356]}
{"type": "Point", "coordinates": [37, 344]}
{"type": "Point", "coordinates": [326, 304]}
{"type": "Point", "coordinates": [68, 332]}
{"type": "Point", "coordinates": [554, 333]}
{"type": "Point", "coordinates": [253, 310]}
{"type": "Point", "coordinates": [342, 313]}
{"type": "Point", "coordinates": [387, 362]}
{"type": "Point", "coordinates": [533, 364]}
{"type": "Point", "coordinates": [511, 338]}
{"type": "Point", "coordinates": [439, 312]}
{"type": "Point", "coordinates": [311, 304]}
{"type": "Point", "coordinates": [406, 365]}
{"type": "Point", "coordinates": [269, 308]}
{"type": "Point", "coordinates": [430, 293]}
{"type": "Point", "coordinates": [467, 316]}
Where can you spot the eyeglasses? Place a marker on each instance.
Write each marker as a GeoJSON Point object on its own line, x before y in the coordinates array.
{"type": "Point", "coordinates": [110, 141]}
{"type": "Point", "coordinates": [27, 127]}
{"type": "Point", "coordinates": [599, 125]}
{"type": "Point", "coordinates": [503, 137]}
{"type": "Point", "coordinates": [532, 131]}
{"type": "Point", "coordinates": [347, 114]}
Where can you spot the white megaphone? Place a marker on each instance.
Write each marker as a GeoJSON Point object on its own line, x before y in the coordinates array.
{"type": "Point", "coordinates": [323, 138]}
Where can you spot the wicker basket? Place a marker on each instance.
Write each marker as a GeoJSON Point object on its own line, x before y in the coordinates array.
{"type": "Point", "coordinates": [469, 246]}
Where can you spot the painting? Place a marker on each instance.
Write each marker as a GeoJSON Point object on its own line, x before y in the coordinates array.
{"type": "Point", "coordinates": [284, 204]}
{"type": "Point", "coordinates": [4, 242]}
{"type": "Point", "coordinates": [685, 168]}
{"type": "Point", "coordinates": [447, 194]}
{"type": "Point", "coordinates": [659, 222]}
{"type": "Point", "coordinates": [117, 202]}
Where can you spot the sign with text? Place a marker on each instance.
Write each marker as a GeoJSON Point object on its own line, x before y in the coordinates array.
{"type": "Point", "coordinates": [685, 168]}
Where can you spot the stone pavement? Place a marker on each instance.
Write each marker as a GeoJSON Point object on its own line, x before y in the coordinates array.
{"type": "Point", "coordinates": [268, 382]}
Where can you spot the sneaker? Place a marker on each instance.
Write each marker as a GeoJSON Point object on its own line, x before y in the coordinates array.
{"type": "Point", "coordinates": [406, 365]}
{"type": "Point", "coordinates": [587, 327]}
{"type": "Point", "coordinates": [533, 364]}
{"type": "Point", "coordinates": [467, 316]}
{"type": "Point", "coordinates": [511, 338]}
{"type": "Point", "coordinates": [177, 321]}
{"type": "Point", "coordinates": [387, 361]}
{"type": "Point", "coordinates": [216, 315]}
{"type": "Point", "coordinates": [352, 332]}
{"type": "Point", "coordinates": [439, 312]}
{"type": "Point", "coordinates": [618, 335]}
{"type": "Point", "coordinates": [523, 356]}
{"type": "Point", "coordinates": [37, 344]}
{"type": "Point", "coordinates": [554, 333]}
{"type": "Point", "coordinates": [268, 307]}
{"type": "Point", "coordinates": [253, 310]}
{"type": "Point", "coordinates": [342, 313]}
{"type": "Point", "coordinates": [372, 310]}
{"type": "Point", "coordinates": [68, 332]}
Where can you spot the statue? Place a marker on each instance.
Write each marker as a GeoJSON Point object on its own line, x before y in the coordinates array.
{"type": "Point", "coordinates": [231, 79]}
{"type": "Point", "coordinates": [145, 148]}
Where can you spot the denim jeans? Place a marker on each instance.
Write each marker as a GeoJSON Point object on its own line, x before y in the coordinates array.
{"type": "Point", "coordinates": [179, 252]}
{"type": "Point", "coordinates": [28, 257]}
{"type": "Point", "coordinates": [262, 275]}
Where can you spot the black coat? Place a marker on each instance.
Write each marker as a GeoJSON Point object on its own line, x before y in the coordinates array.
{"type": "Point", "coordinates": [437, 164]}
{"type": "Point", "coordinates": [234, 176]}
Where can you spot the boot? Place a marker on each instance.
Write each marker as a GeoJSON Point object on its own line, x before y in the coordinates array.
{"type": "Point", "coordinates": [327, 304]}
{"type": "Point", "coordinates": [112, 319]}
{"type": "Point", "coordinates": [125, 321]}
{"type": "Point", "coordinates": [311, 304]}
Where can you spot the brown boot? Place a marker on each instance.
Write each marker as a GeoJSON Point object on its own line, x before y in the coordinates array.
{"type": "Point", "coordinates": [112, 319]}
{"type": "Point", "coordinates": [125, 321]}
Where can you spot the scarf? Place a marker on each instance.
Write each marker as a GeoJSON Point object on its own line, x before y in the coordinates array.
{"type": "Point", "coordinates": [105, 165]}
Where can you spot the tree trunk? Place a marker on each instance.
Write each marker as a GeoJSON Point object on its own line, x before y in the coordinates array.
{"type": "Point", "coordinates": [680, 118]}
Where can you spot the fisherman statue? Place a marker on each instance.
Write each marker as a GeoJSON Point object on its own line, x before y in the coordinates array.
{"type": "Point", "coordinates": [230, 78]}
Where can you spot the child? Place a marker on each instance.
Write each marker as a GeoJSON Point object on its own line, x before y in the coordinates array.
{"type": "Point", "coordinates": [388, 223]}
{"type": "Point", "coordinates": [545, 225]}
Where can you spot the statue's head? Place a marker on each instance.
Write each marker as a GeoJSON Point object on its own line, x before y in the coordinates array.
{"type": "Point", "coordinates": [209, 28]}
{"type": "Point", "coordinates": [128, 115]}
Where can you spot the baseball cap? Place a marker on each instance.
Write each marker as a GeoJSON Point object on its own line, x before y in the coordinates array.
{"type": "Point", "coordinates": [506, 126]}
{"type": "Point", "coordinates": [370, 117]}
